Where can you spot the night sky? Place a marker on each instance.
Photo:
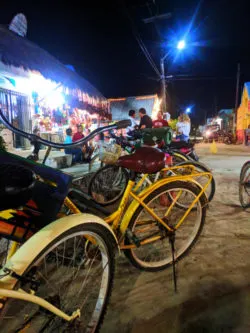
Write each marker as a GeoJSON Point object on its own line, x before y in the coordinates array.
{"type": "Point", "coordinates": [97, 39]}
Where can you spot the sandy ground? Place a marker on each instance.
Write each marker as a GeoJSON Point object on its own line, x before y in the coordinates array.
{"type": "Point", "coordinates": [213, 280]}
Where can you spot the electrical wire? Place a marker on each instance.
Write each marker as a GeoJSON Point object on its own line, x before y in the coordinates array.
{"type": "Point", "coordinates": [139, 40]}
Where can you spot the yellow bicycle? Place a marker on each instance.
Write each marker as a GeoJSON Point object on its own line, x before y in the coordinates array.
{"type": "Point", "coordinates": [173, 208]}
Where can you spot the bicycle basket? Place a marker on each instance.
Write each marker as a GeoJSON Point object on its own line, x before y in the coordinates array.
{"type": "Point", "coordinates": [109, 153]}
{"type": "Point", "coordinates": [16, 184]}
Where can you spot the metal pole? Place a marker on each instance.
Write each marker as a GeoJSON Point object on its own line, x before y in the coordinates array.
{"type": "Point", "coordinates": [236, 96]}
{"type": "Point", "coordinates": [163, 84]}
{"type": "Point", "coordinates": [237, 87]}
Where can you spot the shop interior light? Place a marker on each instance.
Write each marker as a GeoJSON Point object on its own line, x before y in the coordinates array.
{"type": "Point", "coordinates": [55, 99]}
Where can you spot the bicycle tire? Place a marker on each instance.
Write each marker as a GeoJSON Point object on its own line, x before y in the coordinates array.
{"type": "Point", "coordinates": [210, 192]}
{"type": "Point", "coordinates": [242, 186]}
{"type": "Point", "coordinates": [103, 183]}
{"type": "Point", "coordinates": [130, 253]}
{"type": "Point", "coordinates": [106, 240]}
{"type": "Point", "coordinates": [178, 157]}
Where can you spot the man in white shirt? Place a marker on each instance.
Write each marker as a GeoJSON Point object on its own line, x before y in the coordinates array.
{"type": "Point", "coordinates": [134, 124]}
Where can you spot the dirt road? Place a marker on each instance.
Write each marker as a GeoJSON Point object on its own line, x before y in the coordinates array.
{"type": "Point", "coordinates": [213, 280]}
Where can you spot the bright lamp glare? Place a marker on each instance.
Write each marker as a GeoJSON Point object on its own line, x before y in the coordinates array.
{"type": "Point", "coordinates": [181, 45]}
{"type": "Point", "coordinates": [188, 110]}
{"type": "Point", "coordinates": [55, 99]}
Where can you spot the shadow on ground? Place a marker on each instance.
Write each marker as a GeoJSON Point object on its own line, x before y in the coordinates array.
{"type": "Point", "coordinates": [220, 308]}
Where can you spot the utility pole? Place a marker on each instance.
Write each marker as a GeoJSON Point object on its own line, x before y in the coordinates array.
{"type": "Point", "coordinates": [163, 86]}
{"type": "Point", "coordinates": [236, 97]}
{"type": "Point", "coordinates": [154, 19]}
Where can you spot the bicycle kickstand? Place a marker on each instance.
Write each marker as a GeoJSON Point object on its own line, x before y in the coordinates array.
{"type": "Point", "coordinates": [172, 243]}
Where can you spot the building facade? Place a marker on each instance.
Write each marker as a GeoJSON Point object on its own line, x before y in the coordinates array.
{"type": "Point", "coordinates": [243, 113]}
{"type": "Point", "coordinates": [37, 90]}
{"type": "Point", "coordinates": [119, 107]}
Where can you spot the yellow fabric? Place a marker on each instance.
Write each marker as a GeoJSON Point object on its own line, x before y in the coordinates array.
{"type": "Point", "coordinates": [213, 148]}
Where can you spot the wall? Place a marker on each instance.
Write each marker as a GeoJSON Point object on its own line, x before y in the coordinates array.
{"type": "Point", "coordinates": [243, 116]}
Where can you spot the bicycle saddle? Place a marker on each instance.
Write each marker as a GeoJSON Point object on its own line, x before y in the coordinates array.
{"type": "Point", "coordinates": [16, 184]}
{"type": "Point", "coordinates": [144, 160]}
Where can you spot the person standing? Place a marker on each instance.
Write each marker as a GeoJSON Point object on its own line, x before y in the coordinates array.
{"type": "Point", "coordinates": [37, 146]}
{"type": "Point", "coordinates": [134, 125]}
{"type": "Point", "coordinates": [247, 135]}
{"type": "Point", "coordinates": [160, 122]}
{"type": "Point", "coordinates": [166, 116]}
{"type": "Point", "coordinates": [183, 127]}
{"type": "Point", "coordinates": [146, 121]}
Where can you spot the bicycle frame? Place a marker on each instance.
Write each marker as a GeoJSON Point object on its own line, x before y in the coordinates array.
{"type": "Point", "coordinates": [119, 221]}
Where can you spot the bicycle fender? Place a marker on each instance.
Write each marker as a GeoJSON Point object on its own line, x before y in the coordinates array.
{"type": "Point", "coordinates": [20, 261]}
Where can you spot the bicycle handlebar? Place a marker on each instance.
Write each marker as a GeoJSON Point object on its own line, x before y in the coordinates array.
{"type": "Point", "coordinates": [33, 137]}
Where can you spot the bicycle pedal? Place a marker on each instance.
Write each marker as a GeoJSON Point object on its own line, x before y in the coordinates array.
{"type": "Point", "coordinates": [132, 238]}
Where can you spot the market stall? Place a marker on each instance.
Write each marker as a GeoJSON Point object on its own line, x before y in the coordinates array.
{"type": "Point", "coordinates": [37, 91]}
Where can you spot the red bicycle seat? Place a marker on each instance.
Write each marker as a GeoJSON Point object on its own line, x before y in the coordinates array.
{"type": "Point", "coordinates": [144, 160]}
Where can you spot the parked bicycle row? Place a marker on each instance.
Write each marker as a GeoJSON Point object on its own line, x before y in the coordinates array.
{"type": "Point", "coordinates": [60, 258]}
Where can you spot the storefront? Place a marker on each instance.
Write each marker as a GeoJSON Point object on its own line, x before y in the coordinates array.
{"type": "Point", "coordinates": [120, 107]}
{"type": "Point", "coordinates": [243, 114]}
{"type": "Point", "coordinates": [37, 91]}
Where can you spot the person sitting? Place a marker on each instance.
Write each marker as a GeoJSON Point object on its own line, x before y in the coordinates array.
{"type": "Point", "coordinates": [76, 152]}
{"type": "Point", "coordinates": [79, 134]}
{"type": "Point", "coordinates": [134, 125]}
{"type": "Point", "coordinates": [146, 121]}
{"type": "Point", "coordinates": [183, 127]}
{"type": "Point", "coordinates": [86, 149]}
{"type": "Point", "coordinates": [160, 122]}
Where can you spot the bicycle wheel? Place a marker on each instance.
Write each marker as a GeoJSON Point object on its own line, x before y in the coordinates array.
{"type": "Point", "coordinates": [157, 255]}
{"type": "Point", "coordinates": [199, 167]}
{"type": "Point", "coordinates": [70, 279]}
{"type": "Point", "coordinates": [244, 187]}
{"type": "Point", "coordinates": [178, 157]}
{"type": "Point", "coordinates": [108, 184]}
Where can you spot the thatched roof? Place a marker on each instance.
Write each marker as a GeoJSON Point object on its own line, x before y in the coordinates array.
{"type": "Point", "coordinates": [20, 52]}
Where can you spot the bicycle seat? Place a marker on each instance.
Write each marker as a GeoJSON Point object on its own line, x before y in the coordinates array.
{"type": "Point", "coordinates": [144, 160]}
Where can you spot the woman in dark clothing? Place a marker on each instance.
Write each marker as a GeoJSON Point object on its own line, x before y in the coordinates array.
{"type": "Point", "coordinates": [37, 146]}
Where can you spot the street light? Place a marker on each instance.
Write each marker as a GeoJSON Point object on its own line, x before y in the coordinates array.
{"type": "Point", "coordinates": [180, 46]}
{"type": "Point", "coordinates": [188, 110]}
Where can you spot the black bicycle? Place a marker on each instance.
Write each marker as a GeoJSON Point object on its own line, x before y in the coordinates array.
{"type": "Point", "coordinates": [244, 187]}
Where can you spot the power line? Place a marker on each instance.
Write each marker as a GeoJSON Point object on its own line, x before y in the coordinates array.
{"type": "Point", "coordinates": [139, 40]}
{"type": "Point", "coordinates": [194, 78]}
